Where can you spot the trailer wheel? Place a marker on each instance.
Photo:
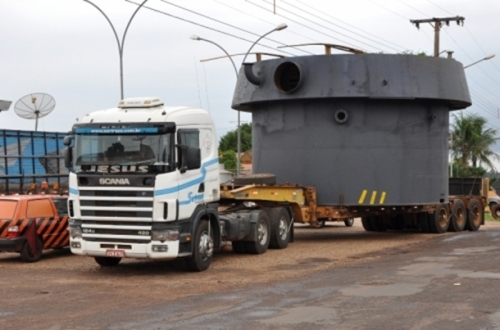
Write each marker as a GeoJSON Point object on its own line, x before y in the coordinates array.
{"type": "Point", "coordinates": [203, 248]}
{"type": "Point", "coordinates": [377, 225]}
{"type": "Point", "coordinates": [349, 222]}
{"type": "Point", "coordinates": [239, 247]}
{"type": "Point", "coordinates": [458, 216]}
{"type": "Point", "coordinates": [107, 262]}
{"type": "Point", "coordinates": [280, 228]}
{"type": "Point", "coordinates": [423, 221]}
{"type": "Point", "coordinates": [439, 221]}
{"type": "Point", "coordinates": [475, 215]}
{"type": "Point", "coordinates": [26, 253]}
{"type": "Point", "coordinates": [262, 235]}
{"type": "Point", "coordinates": [495, 211]}
{"type": "Point", "coordinates": [261, 178]}
{"type": "Point", "coordinates": [367, 224]}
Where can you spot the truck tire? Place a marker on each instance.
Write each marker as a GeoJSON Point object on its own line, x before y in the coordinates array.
{"type": "Point", "coordinates": [377, 225]}
{"type": "Point", "coordinates": [203, 248]}
{"type": "Point", "coordinates": [439, 221]}
{"type": "Point", "coordinates": [26, 254]}
{"type": "Point", "coordinates": [261, 178]}
{"type": "Point", "coordinates": [495, 211]}
{"type": "Point", "coordinates": [458, 216]}
{"type": "Point", "coordinates": [349, 222]}
{"type": "Point", "coordinates": [280, 228]}
{"type": "Point", "coordinates": [239, 247]}
{"type": "Point", "coordinates": [474, 215]}
{"type": "Point", "coordinates": [367, 223]}
{"type": "Point", "coordinates": [107, 261]}
{"type": "Point", "coordinates": [423, 221]}
{"type": "Point", "coordinates": [262, 235]}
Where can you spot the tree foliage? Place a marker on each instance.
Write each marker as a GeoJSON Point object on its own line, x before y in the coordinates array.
{"type": "Point", "coordinates": [228, 158]}
{"type": "Point", "coordinates": [230, 140]}
{"type": "Point", "coordinates": [471, 143]}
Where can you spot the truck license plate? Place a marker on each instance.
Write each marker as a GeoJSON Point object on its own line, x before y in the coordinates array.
{"type": "Point", "coordinates": [115, 253]}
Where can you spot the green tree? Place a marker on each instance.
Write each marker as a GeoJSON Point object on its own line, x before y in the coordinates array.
{"type": "Point", "coordinates": [228, 158]}
{"type": "Point", "coordinates": [471, 143]}
{"type": "Point", "coordinates": [230, 140]}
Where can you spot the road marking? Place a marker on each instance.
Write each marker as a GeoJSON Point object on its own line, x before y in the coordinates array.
{"type": "Point", "coordinates": [374, 195]}
{"type": "Point", "coordinates": [382, 197]}
{"type": "Point", "coordinates": [362, 197]}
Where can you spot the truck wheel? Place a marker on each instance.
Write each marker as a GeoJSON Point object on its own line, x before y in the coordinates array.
{"type": "Point", "coordinates": [261, 178]}
{"type": "Point", "coordinates": [262, 235]}
{"type": "Point", "coordinates": [458, 216]}
{"type": "Point", "coordinates": [107, 261]}
{"type": "Point", "coordinates": [377, 225]}
{"type": "Point", "coordinates": [239, 247]}
{"type": "Point", "coordinates": [475, 215]}
{"type": "Point", "coordinates": [203, 248]}
{"type": "Point", "coordinates": [423, 221]}
{"type": "Point", "coordinates": [495, 211]}
{"type": "Point", "coordinates": [439, 221]}
{"type": "Point", "coordinates": [349, 222]}
{"type": "Point", "coordinates": [26, 254]}
{"type": "Point", "coordinates": [280, 228]}
{"type": "Point", "coordinates": [367, 223]}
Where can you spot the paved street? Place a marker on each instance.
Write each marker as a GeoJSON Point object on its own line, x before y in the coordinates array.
{"type": "Point", "coordinates": [451, 282]}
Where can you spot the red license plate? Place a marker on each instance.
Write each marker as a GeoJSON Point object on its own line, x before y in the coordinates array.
{"type": "Point", "coordinates": [115, 253]}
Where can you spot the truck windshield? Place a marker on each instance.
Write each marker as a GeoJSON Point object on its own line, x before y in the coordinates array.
{"type": "Point", "coordinates": [122, 149]}
{"type": "Point", "coordinates": [7, 209]}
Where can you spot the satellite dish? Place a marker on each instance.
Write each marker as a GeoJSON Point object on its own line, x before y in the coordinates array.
{"type": "Point", "coordinates": [34, 106]}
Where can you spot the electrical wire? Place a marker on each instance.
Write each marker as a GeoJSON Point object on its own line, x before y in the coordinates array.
{"type": "Point", "coordinates": [263, 20]}
{"type": "Point", "coordinates": [322, 26]}
{"type": "Point", "coordinates": [227, 24]}
{"type": "Point", "coordinates": [209, 28]}
{"type": "Point", "coordinates": [329, 22]}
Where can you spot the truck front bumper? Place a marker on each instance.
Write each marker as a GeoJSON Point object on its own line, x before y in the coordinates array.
{"type": "Point", "coordinates": [143, 251]}
{"type": "Point", "coordinates": [12, 244]}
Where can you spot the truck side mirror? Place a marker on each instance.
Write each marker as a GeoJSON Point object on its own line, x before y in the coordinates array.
{"type": "Point", "coordinates": [68, 155]}
{"type": "Point", "coordinates": [67, 140]}
{"type": "Point", "coordinates": [189, 158]}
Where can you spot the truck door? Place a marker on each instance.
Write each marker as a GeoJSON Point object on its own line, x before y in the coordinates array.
{"type": "Point", "coordinates": [191, 182]}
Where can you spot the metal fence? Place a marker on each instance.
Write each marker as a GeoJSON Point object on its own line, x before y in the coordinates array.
{"type": "Point", "coordinates": [28, 157]}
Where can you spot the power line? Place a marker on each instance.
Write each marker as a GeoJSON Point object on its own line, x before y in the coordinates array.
{"type": "Point", "coordinates": [263, 20]}
{"type": "Point", "coordinates": [439, 7]}
{"type": "Point", "coordinates": [209, 28]}
{"type": "Point", "coordinates": [227, 24]}
{"type": "Point", "coordinates": [477, 43]}
{"type": "Point", "coordinates": [354, 27]}
{"type": "Point", "coordinates": [322, 26]}
{"type": "Point", "coordinates": [350, 31]}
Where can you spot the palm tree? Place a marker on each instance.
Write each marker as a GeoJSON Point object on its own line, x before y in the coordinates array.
{"type": "Point", "coordinates": [471, 141]}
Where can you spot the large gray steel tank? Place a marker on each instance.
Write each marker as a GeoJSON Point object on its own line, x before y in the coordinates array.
{"type": "Point", "coordinates": [365, 129]}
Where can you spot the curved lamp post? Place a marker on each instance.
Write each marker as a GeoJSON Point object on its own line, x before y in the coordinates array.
{"type": "Point", "coordinates": [280, 27]}
{"type": "Point", "coordinates": [483, 59]}
{"type": "Point", "coordinates": [238, 165]}
{"type": "Point", "coordinates": [120, 45]}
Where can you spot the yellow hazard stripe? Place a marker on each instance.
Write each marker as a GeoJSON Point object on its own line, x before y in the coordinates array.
{"type": "Point", "coordinates": [374, 195]}
{"type": "Point", "coordinates": [382, 197]}
{"type": "Point", "coordinates": [362, 197]}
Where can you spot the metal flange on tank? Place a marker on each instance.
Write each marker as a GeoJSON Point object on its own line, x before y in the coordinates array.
{"type": "Point", "coordinates": [364, 129]}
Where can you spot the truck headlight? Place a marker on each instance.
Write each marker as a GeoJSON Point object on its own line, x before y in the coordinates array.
{"type": "Point", "coordinates": [75, 232]}
{"type": "Point", "coordinates": [165, 235]}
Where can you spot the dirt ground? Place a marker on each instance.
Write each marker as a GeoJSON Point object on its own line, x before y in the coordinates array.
{"type": "Point", "coordinates": [79, 288]}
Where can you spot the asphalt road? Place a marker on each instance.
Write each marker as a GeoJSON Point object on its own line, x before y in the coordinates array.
{"type": "Point", "coordinates": [393, 280]}
{"type": "Point", "coordinates": [451, 282]}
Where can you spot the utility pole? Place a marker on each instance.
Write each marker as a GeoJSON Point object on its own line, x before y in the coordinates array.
{"type": "Point", "coordinates": [437, 23]}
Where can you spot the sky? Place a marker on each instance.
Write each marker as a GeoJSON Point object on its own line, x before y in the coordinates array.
{"type": "Point", "coordinates": [67, 49]}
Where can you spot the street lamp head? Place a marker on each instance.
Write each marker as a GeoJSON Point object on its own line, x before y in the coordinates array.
{"type": "Point", "coordinates": [195, 37]}
{"type": "Point", "coordinates": [280, 27]}
{"type": "Point", "coordinates": [489, 56]}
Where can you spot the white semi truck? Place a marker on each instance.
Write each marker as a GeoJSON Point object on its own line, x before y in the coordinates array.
{"type": "Point", "coordinates": [144, 183]}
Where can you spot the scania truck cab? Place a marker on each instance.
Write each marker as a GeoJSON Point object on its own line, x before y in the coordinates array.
{"type": "Point", "coordinates": [143, 182]}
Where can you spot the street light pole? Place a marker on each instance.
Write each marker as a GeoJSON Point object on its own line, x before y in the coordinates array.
{"type": "Point", "coordinates": [120, 45]}
{"type": "Point", "coordinates": [483, 59]}
{"type": "Point", "coordinates": [195, 37]}
{"type": "Point", "coordinates": [280, 27]}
